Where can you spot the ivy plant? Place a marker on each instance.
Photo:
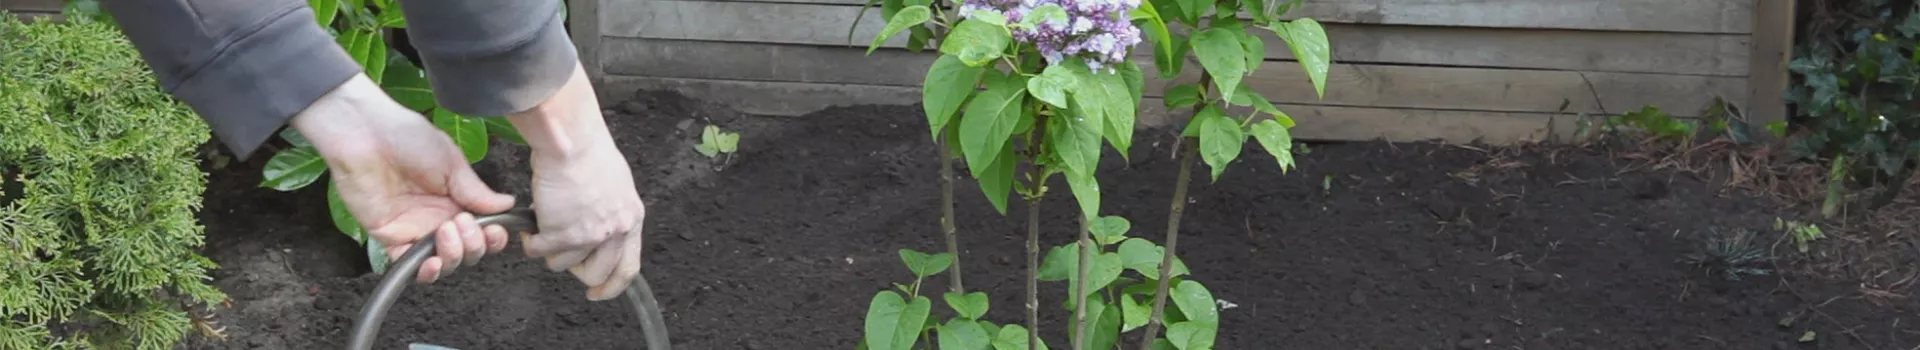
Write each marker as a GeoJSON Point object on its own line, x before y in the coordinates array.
{"type": "Point", "coordinates": [362, 28]}
{"type": "Point", "coordinates": [1048, 84]}
{"type": "Point", "coordinates": [1854, 78]}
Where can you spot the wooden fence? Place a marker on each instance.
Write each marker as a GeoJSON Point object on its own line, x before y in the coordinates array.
{"type": "Point", "coordinates": [33, 8]}
{"type": "Point", "coordinates": [1459, 70]}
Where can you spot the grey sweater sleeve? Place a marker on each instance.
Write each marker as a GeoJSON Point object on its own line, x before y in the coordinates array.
{"type": "Point", "coordinates": [247, 66]}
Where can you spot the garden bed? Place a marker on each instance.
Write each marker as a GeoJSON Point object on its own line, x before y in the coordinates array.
{"type": "Point", "coordinates": [1366, 245]}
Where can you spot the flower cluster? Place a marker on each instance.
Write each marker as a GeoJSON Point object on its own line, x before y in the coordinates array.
{"type": "Point", "coordinates": [1095, 30]}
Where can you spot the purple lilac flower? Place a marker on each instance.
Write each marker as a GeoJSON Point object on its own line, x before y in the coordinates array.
{"type": "Point", "coordinates": [1094, 30]}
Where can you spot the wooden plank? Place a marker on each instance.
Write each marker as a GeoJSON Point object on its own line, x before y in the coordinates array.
{"type": "Point", "coordinates": [1449, 88]}
{"type": "Point", "coordinates": [1772, 49]}
{"type": "Point", "coordinates": [33, 5]}
{"type": "Point", "coordinates": [1318, 123]}
{"type": "Point", "coordinates": [1640, 52]}
{"type": "Point", "coordinates": [29, 17]}
{"type": "Point", "coordinates": [1689, 16]}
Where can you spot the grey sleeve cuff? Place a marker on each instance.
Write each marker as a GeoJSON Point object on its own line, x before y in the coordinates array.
{"type": "Point", "coordinates": [491, 57]}
{"type": "Point", "coordinates": [244, 67]}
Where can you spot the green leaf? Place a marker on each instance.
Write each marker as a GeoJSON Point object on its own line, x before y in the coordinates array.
{"type": "Point", "coordinates": [990, 327]}
{"type": "Point", "coordinates": [1014, 337]}
{"type": "Point", "coordinates": [377, 256]}
{"type": "Point", "coordinates": [1049, 13]}
{"type": "Point", "coordinates": [1121, 117]}
{"type": "Point", "coordinates": [917, 38]}
{"type": "Point", "coordinates": [1108, 230]}
{"type": "Point", "coordinates": [1163, 344]}
{"type": "Point", "coordinates": [1256, 49]}
{"type": "Point", "coordinates": [1060, 263]}
{"type": "Point", "coordinates": [1052, 85]}
{"type": "Point", "coordinates": [391, 17]}
{"type": "Point", "coordinates": [923, 264]}
{"type": "Point", "coordinates": [1144, 257]}
{"type": "Point", "coordinates": [467, 132]}
{"type": "Point", "coordinates": [990, 17]}
{"type": "Point", "coordinates": [970, 306]}
{"type": "Point", "coordinates": [962, 334]}
{"type": "Point", "coordinates": [1136, 311]}
{"type": "Point", "coordinates": [1166, 51]}
{"type": "Point", "coordinates": [1063, 263]}
{"type": "Point", "coordinates": [292, 169]}
{"type": "Point", "coordinates": [1309, 44]}
{"type": "Point", "coordinates": [1183, 95]}
{"type": "Point", "coordinates": [1191, 10]}
{"type": "Point", "coordinates": [989, 121]}
{"type": "Point", "coordinates": [294, 137]}
{"type": "Point", "coordinates": [1220, 139]}
{"type": "Point", "coordinates": [892, 323]}
{"type": "Point", "coordinates": [324, 11]}
{"type": "Point", "coordinates": [1193, 335]}
{"type": "Point", "coordinates": [997, 181]}
{"type": "Point", "coordinates": [1195, 302]}
{"type": "Point", "coordinates": [1274, 137]}
{"type": "Point", "coordinates": [407, 84]}
{"type": "Point", "coordinates": [1086, 190]}
{"type": "Point", "coordinates": [500, 126]}
{"type": "Point", "coordinates": [948, 84]}
{"type": "Point", "coordinates": [367, 48]}
{"type": "Point", "coordinates": [976, 42]}
{"type": "Point", "coordinates": [907, 17]}
{"type": "Point", "coordinates": [1222, 55]}
{"type": "Point", "coordinates": [1104, 100]}
{"type": "Point", "coordinates": [1105, 319]}
{"type": "Point", "coordinates": [342, 218]}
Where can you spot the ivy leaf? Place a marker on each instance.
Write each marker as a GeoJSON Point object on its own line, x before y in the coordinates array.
{"type": "Point", "coordinates": [1014, 337]}
{"type": "Point", "coordinates": [893, 323]}
{"type": "Point", "coordinates": [1166, 53]}
{"type": "Point", "coordinates": [343, 219]}
{"type": "Point", "coordinates": [997, 181]}
{"type": "Point", "coordinates": [467, 132]}
{"type": "Point", "coordinates": [907, 17]}
{"type": "Point", "coordinates": [1309, 44]}
{"type": "Point", "coordinates": [970, 306]}
{"type": "Point", "coordinates": [923, 264]}
{"type": "Point", "coordinates": [1222, 55]}
{"type": "Point", "coordinates": [1220, 139]}
{"type": "Point", "coordinates": [1052, 85]}
{"type": "Point", "coordinates": [989, 122]}
{"type": "Point", "coordinates": [324, 10]}
{"type": "Point", "coordinates": [1144, 257]}
{"type": "Point", "coordinates": [292, 169]}
{"type": "Point", "coordinates": [948, 84]}
{"type": "Point", "coordinates": [1193, 335]}
{"type": "Point", "coordinates": [1183, 95]}
{"type": "Point", "coordinates": [407, 84]}
{"type": "Point", "coordinates": [976, 42]}
{"type": "Point", "coordinates": [1136, 312]}
{"type": "Point", "coordinates": [1108, 230]}
{"type": "Point", "coordinates": [963, 334]}
{"type": "Point", "coordinates": [1195, 302]}
{"type": "Point", "coordinates": [1277, 140]}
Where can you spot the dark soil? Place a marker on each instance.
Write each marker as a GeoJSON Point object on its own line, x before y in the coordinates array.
{"type": "Point", "coordinates": [1407, 246]}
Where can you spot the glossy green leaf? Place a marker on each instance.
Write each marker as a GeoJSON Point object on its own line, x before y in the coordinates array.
{"type": "Point", "coordinates": [503, 128]}
{"type": "Point", "coordinates": [324, 11]}
{"type": "Point", "coordinates": [1308, 40]}
{"type": "Point", "coordinates": [407, 84]}
{"type": "Point", "coordinates": [1277, 140]}
{"type": "Point", "coordinates": [1108, 230]}
{"type": "Point", "coordinates": [1183, 95]}
{"type": "Point", "coordinates": [469, 133]}
{"type": "Point", "coordinates": [1193, 335]}
{"type": "Point", "coordinates": [1052, 85]}
{"type": "Point", "coordinates": [923, 264]}
{"type": "Point", "coordinates": [997, 180]}
{"type": "Point", "coordinates": [293, 169]}
{"type": "Point", "coordinates": [377, 256]}
{"type": "Point", "coordinates": [391, 17]}
{"type": "Point", "coordinates": [963, 334]}
{"type": "Point", "coordinates": [1195, 301]}
{"type": "Point", "coordinates": [1256, 49]}
{"type": "Point", "coordinates": [1222, 55]}
{"type": "Point", "coordinates": [907, 17]}
{"type": "Point", "coordinates": [294, 137]}
{"type": "Point", "coordinates": [989, 121]}
{"type": "Point", "coordinates": [342, 218]}
{"type": "Point", "coordinates": [367, 48]}
{"type": "Point", "coordinates": [970, 306]}
{"type": "Point", "coordinates": [893, 323]}
{"type": "Point", "coordinates": [1049, 13]}
{"type": "Point", "coordinates": [1014, 337]}
{"type": "Point", "coordinates": [1144, 257]}
{"type": "Point", "coordinates": [947, 86]}
{"type": "Point", "coordinates": [1220, 139]}
{"type": "Point", "coordinates": [1166, 51]}
{"type": "Point", "coordinates": [1135, 312]}
{"type": "Point", "coordinates": [976, 43]}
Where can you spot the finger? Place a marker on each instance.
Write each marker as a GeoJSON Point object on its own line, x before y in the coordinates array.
{"type": "Point", "coordinates": [496, 237]}
{"type": "Point", "coordinates": [600, 264]}
{"type": "Point", "coordinates": [412, 225]}
{"type": "Point", "coordinates": [475, 195]}
{"type": "Point", "coordinates": [567, 260]}
{"type": "Point", "coordinates": [553, 242]}
{"type": "Point", "coordinates": [470, 239]}
{"type": "Point", "coordinates": [447, 247]}
{"type": "Point", "coordinates": [623, 274]}
{"type": "Point", "coordinates": [430, 270]}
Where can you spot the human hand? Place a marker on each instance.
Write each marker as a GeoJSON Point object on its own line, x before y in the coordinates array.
{"type": "Point", "coordinates": [583, 192]}
{"type": "Point", "coordinates": [402, 178]}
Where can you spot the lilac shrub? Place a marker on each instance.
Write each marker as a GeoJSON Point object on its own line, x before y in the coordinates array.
{"type": "Point", "coordinates": [1050, 84]}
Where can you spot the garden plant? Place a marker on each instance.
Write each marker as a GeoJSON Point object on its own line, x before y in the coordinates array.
{"type": "Point", "coordinates": [99, 185]}
{"type": "Point", "coordinates": [1042, 83]}
{"type": "Point", "coordinates": [1855, 78]}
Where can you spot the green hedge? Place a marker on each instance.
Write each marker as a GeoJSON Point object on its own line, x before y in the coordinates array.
{"type": "Point", "coordinates": [101, 183]}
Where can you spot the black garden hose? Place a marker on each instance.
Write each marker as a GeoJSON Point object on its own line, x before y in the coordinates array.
{"type": "Point", "coordinates": [401, 273]}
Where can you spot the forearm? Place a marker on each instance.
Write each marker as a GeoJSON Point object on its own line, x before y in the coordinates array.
{"type": "Point", "coordinates": [565, 125]}
{"type": "Point", "coordinates": [245, 66]}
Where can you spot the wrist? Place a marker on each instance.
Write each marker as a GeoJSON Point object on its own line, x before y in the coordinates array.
{"type": "Point", "coordinates": [332, 121]}
{"type": "Point", "coordinates": [566, 125]}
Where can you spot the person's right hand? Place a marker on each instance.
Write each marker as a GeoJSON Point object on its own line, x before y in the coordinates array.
{"type": "Point", "coordinates": [583, 192]}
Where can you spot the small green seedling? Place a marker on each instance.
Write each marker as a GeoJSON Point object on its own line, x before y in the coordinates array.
{"type": "Point", "coordinates": [714, 142]}
{"type": "Point", "coordinates": [1803, 233]}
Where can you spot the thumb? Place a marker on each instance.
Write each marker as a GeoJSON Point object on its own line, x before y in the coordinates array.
{"type": "Point", "coordinates": [475, 195]}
